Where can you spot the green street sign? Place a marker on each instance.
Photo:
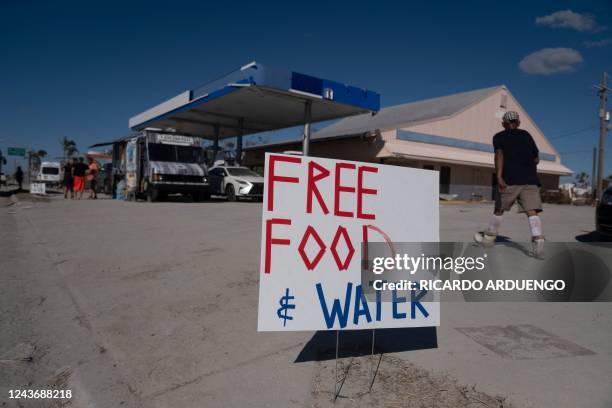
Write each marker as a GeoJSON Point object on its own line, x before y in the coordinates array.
{"type": "Point", "coordinates": [16, 151]}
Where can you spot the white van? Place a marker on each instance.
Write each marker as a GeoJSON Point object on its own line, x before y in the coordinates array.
{"type": "Point", "coordinates": [50, 173]}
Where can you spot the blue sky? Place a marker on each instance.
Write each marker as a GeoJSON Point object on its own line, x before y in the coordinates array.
{"type": "Point", "coordinates": [81, 69]}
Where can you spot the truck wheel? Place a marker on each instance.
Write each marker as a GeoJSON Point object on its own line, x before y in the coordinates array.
{"type": "Point", "coordinates": [230, 193]}
{"type": "Point", "coordinates": [207, 195]}
{"type": "Point", "coordinates": [152, 195]}
{"type": "Point", "coordinates": [197, 196]}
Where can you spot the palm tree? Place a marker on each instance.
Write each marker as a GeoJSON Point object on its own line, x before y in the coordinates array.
{"type": "Point", "coordinates": [68, 147]}
{"type": "Point", "coordinates": [582, 179]}
{"type": "Point", "coordinates": [36, 158]}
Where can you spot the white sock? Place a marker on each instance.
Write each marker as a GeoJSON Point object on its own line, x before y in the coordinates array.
{"type": "Point", "coordinates": [536, 225]}
{"type": "Point", "coordinates": [494, 224]}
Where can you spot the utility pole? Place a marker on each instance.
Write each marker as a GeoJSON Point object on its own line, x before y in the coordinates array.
{"type": "Point", "coordinates": [29, 167]}
{"type": "Point", "coordinates": [594, 173]}
{"type": "Point", "coordinates": [603, 98]}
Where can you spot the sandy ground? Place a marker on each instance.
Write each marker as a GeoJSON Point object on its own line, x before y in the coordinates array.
{"type": "Point", "coordinates": [154, 305]}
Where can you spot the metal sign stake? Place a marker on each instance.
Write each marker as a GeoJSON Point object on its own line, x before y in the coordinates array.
{"type": "Point", "coordinates": [372, 373]}
{"type": "Point", "coordinates": [336, 371]}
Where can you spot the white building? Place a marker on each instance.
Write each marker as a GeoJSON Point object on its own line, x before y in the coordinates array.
{"type": "Point", "coordinates": [452, 134]}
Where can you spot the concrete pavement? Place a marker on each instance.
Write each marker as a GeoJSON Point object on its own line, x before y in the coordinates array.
{"type": "Point", "coordinates": [154, 305]}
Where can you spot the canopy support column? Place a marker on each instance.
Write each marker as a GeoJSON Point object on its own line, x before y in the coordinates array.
{"type": "Point", "coordinates": [239, 142]}
{"type": "Point", "coordinates": [215, 145]}
{"type": "Point", "coordinates": [307, 119]}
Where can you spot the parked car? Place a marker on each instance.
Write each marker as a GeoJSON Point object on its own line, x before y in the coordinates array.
{"type": "Point", "coordinates": [236, 182]}
{"type": "Point", "coordinates": [603, 214]}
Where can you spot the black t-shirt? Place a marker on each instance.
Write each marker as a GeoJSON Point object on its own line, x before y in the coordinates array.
{"type": "Point", "coordinates": [80, 169]}
{"type": "Point", "coordinates": [67, 171]}
{"type": "Point", "coordinates": [520, 152]}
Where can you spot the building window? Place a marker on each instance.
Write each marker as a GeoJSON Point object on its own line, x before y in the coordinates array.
{"type": "Point", "coordinates": [504, 101]}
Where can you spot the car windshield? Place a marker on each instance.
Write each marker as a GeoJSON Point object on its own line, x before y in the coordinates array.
{"type": "Point", "coordinates": [188, 154]}
{"type": "Point", "coordinates": [174, 153]}
{"type": "Point", "coordinates": [241, 171]}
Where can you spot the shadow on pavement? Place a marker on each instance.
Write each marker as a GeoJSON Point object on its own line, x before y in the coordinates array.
{"type": "Point", "coordinates": [8, 193]}
{"type": "Point", "coordinates": [507, 242]}
{"type": "Point", "coordinates": [355, 343]}
{"type": "Point", "coordinates": [178, 198]}
{"type": "Point", "coordinates": [592, 237]}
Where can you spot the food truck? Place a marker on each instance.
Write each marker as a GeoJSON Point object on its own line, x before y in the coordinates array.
{"type": "Point", "coordinates": [150, 164]}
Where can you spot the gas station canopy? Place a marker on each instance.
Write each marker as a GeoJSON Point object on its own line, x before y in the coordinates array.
{"type": "Point", "coordinates": [254, 99]}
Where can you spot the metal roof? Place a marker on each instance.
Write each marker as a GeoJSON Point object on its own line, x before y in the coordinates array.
{"type": "Point", "coordinates": [397, 116]}
{"type": "Point", "coordinates": [400, 115]}
{"type": "Point", "coordinates": [256, 98]}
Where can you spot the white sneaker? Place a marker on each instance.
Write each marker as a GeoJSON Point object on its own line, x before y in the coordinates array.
{"type": "Point", "coordinates": [484, 239]}
{"type": "Point", "coordinates": [538, 246]}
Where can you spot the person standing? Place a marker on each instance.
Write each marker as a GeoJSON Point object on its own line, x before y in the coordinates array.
{"type": "Point", "coordinates": [516, 160]}
{"type": "Point", "coordinates": [78, 174]}
{"type": "Point", "coordinates": [92, 174]}
{"type": "Point", "coordinates": [68, 180]}
{"type": "Point", "coordinates": [19, 177]}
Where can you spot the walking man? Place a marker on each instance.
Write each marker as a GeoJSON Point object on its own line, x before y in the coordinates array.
{"type": "Point", "coordinates": [516, 160]}
{"type": "Point", "coordinates": [19, 177]}
{"type": "Point", "coordinates": [78, 178]}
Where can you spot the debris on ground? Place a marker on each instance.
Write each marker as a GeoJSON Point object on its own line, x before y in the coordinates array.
{"type": "Point", "coordinates": [397, 383]}
{"type": "Point", "coordinates": [22, 352]}
{"type": "Point", "coordinates": [556, 197]}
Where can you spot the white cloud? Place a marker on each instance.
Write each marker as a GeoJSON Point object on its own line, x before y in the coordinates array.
{"type": "Point", "coordinates": [569, 19]}
{"type": "Point", "coordinates": [550, 61]}
{"type": "Point", "coordinates": [598, 43]}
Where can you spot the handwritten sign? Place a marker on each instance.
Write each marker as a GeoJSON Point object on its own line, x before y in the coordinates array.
{"type": "Point", "coordinates": [316, 214]}
{"type": "Point", "coordinates": [38, 188]}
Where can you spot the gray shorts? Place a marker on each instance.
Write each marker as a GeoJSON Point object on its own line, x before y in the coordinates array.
{"type": "Point", "coordinates": [528, 197]}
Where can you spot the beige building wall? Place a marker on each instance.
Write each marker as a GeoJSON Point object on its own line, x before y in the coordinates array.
{"type": "Point", "coordinates": [468, 182]}
{"type": "Point", "coordinates": [481, 121]}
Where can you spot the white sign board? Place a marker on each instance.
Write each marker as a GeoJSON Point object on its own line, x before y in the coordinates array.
{"type": "Point", "coordinates": [175, 139]}
{"type": "Point", "coordinates": [38, 188]}
{"type": "Point", "coordinates": [316, 214]}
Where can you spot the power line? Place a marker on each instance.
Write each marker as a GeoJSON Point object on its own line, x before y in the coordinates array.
{"type": "Point", "coordinates": [576, 152]}
{"type": "Point", "coordinates": [574, 132]}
